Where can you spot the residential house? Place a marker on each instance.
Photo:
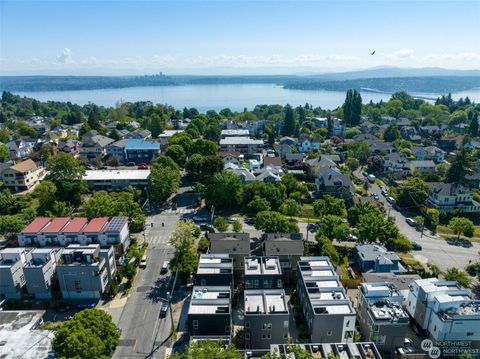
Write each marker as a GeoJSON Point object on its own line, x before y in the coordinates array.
{"type": "Point", "coordinates": [396, 165]}
{"type": "Point", "coordinates": [94, 146]}
{"type": "Point", "coordinates": [84, 272]}
{"type": "Point", "coordinates": [232, 157]}
{"type": "Point", "coordinates": [377, 259]}
{"type": "Point", "coordinates": [210, 311]}
{"type": "Point", "coordinates": [40, 271]}
{"type": "Point", "coordinates": [448, 144]}
{"type": "Point", "coordinates": [429, 153]}
{"type": "Point", "coordinates": [266, 319]}
{"type": "Point", "coordinates": [315, 164]}
{"type": "Point", "coordinates": [141, 151]}
{"type": "Point", "coordinates": [117, 149]}
{"type": "Point", "coordinates": [165, 137]}
{"type": "Point", "coordinates": [70, 146]}
{"type": "Point", "coordinates": [328, 313]}
{"type": "Point", "coordinates": [448, 197]}
{"type": "Point", "coordinates": [263, 272]}
{"type": "Point", "coordinates": [380, 315]}
{"type": "Point", "coordinates": [434, 131]}
{"type": "Point", "coordinates": [237, 245]}
{"type": "Point", "coordinates": [410, 133]}
{"type": "Point", "coordinates": [423, 167]}
{"type": "Point", "coordinates": [244, 145]}
{"type": "Point", "coordinates": [381, 147]}
{"type": "Point", "coordinates": [288, 247]}
{"type": "Point", "coordinates": [22, 176]}
{"type": "Point", "coordinates": [337, 127]}
{"type": "Point", "coordinates": [139, 135]}
{"type": "Point", "coordinates": [245, 174]}
{"type": "Point", "coordinates": [20, 148]}
{"type": "Point", "coordinates": [289, 141]}
{"type": "Point", "coordinates": [330, 181]}
{"type": "Point", "coordinates": [12, 277]}
{"type": "Point", "coordinates": [446, 310]}
{"type": "Point", "coordinates": [306, 143]}
{"type": "Point", "coordinates": [214, 269]}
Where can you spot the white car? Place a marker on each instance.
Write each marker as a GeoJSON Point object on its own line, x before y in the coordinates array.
{"type": "Point", "coordinates": [411, 221]}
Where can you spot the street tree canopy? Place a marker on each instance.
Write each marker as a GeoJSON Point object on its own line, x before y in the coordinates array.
{"type": "Point", "coordinates": [274, 222]}
{"type": "Point", "coordinates": [66, 173]}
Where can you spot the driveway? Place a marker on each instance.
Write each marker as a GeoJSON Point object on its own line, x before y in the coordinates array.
{"type": "Point", "coordinates": [434, 248]}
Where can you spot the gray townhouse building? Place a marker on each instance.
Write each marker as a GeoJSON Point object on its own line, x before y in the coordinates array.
{"type": "Point", "coordinates": [12, 277]}
{"type": "Point", "coordinates": [288, 247]}
{"type": "Point", "coordinates": [328, 313]}
{"type": "Point", "coordinates": [266, 318]}
{"type": "Point", "coordinates": [375, 258]}
{"type": "Point", "coordinates": [85, 272]}
{"type": "Point", "coordinates": [381, 316]}
{"type": "Point", "coordinates": [40, 271]}
{"type": "Point", "coordinates": [210, 312]}
{"type": "Point", "coordinates": [236, 245]}
{"type": "Point", "coordinates": [262, 272]}
{"type": "Point", "coordinates": [215, 269]}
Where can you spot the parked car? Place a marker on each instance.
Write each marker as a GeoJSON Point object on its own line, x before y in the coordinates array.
{"type": "Point", "coordinates": [174, 206]}
{"type": "Point", "coordinates": [143, 261]}
{"type": "Point", "coordinates": [250, 220]}
{"type": "Point", "coordinates": [229, 219]}
{"type": "Point", "coordinates": [384, 193]}
{"type": "Point", "coordinates": [312, 227]}
{"type": "Point", "coordinates": [416, 246]}
{"type": "Point", "coordinates": [142, 166]}
{"type": "Point", "coordinates": [371, 178]}
{"type": "Point", "coordinates": [365, 174]}
{"type": "Point", "coordinates": [164, 268]}
{"type": "Point", "coordinates": [376, 197]}
{"type": "Point", "coordinates": [390, 199]}
{"type": "Point", "coordinates": [352, 238]}
{"type": "Point", "coordinates": [164, 310]}
{"type": "Point", "coordinates": [411, 221]}
{"type": "Point", "coordinates": [130, 164]}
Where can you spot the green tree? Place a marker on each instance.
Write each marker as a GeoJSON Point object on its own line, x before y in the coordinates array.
{"type": "Point", "coordinates": [326, 248]}
{"type": "Point", "coordinates": [176, 153]}
{"type": "Point", "coordinates": [473, 129]}
{"type": "Point", "coordinates": [237, 226]}
{"type": "Point", "coordinates": [204, 147]}
{"type": "Point", "coordinates": [360, 150]}
{"type": "Point", "coordinates": [203, 244]}
{"type": "Point", "coordinates": [89, 334]}
{"type": "Point", "coordinates": [403, 245]}
{"type": "Point", "coordinates": [258, 204]}
{"type": "Point", "coordinates": [164, 179]}
{"type": "Point", "coordinates": [94, 118]}
{"type": "Point", "coordinates": [212, 132]}
{"type": "Point", "coordinates": [461, 225]}
{"type": "Point", "coordinates": [329, 205]}
{"type": "Point", "coordinates": [290, 207]}
{"type": "Point", "coordinates": [433, 217]}
{"type": "Point", "coordinates": [392, 133]}
{"type": "Point", "coordinates": [274, 222]}
{"type": "Point", "coordinates": [333, 227]}
{"type": "Point", "coordinates": [12, 224]}
{"type": "Point", "coordinates": [224, 191]}
{"type": "Point", "coordinates": [274, 193]}
{"type": "Point", "coordinates": [208, 349]}
{"type": "Point", "coordinates": [458, 275]}
{"type": "Point", "coordinates": [289, 121]}
{"type": "Point", "coordinates": [183, 139]}
{"type": "Point", "coordinates": [352, 108]}
{"type": "Point", "coordinates": [45, 192]}
{"type": "Point", "coordinates": [4, 153]}
{"type": "Point", "coordinates": [360, 209]}
{"type": "Point", "coordinates": [220, 224]}
{"type": "Point", "coordinates": [413, 192]}
{"type": "Point", "coordinates": [461, 167]}
{"type": "Point", "coordinates": [66, 173]}
{"type": "Point", "coordinates": [185, 260]}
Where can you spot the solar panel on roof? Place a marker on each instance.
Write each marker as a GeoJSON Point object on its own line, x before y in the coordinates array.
{"type": "Point", "coordinates": [116, 223]}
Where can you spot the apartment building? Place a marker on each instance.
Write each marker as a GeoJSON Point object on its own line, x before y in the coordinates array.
{"type": "Point", "coordinates": [85, 272]}
{"type": "Point", "coordinates": [445, 309]}
{"type": "Point", "coordinates": [328, 313]}
{"type": "Point", "coordinates": [381, 317]}
{"type": "Point", "coordinates": [263, 273]}
{"type": "Point", "coordinates": [140, 150]}
{"type": "Point", "coordinates": [236, 245]}
{"type": "Point", "coordinates": [22, 176]}
{"type": "Point", "coordinates": [240, 132]}
{"type": "Point", "coordinates": [117, 179]}
{"type": "Point", "coordinates": [288, 247]}
{"type": "Point", "coordinates": [215, 269]}
{"type": "Point", "coordinates": [266, 318]}
{"type": "Point", "coordinates": [12, 277]}
{"type": "Point", "coordinates": [244, 145]}
{"type": "Point", "coordinates": [210, 311]}
{"type": "Point", "coordinates": [62, 231]}
{"type": "Point", "coordinates": [362, 350]}
{"type": "Point", "coordinates": [40, 271]}
{"type": "Point", "coordinates": [448, 197]}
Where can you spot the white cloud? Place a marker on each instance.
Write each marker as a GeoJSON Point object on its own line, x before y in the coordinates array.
{"type": "Point", "coordinates": [462, 56]}
{"type": "Point", "coordinates": [65, 57]}
{"type": "Point", "coordinates": [400, 54]}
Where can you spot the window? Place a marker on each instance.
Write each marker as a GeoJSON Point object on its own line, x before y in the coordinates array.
{"type": "Point", "coordinates": [349, 334]}
{"type": "Point", "coordinates": [247, 336]}
{"type": "Point", "coordinates": [285, 336]}
{"type": "Point", "coordinates": [248, 284]}
{"type": "Point", "coordinates": [247, 324]}
{"type": "Point", "coordinates": [269, 336]}
{"type": "Point", "coordinates": [256, 283]}
{"type": "Point", "coordinates": [78, 285]}
{"type": "Point", "coordinates": [195, 324]}
{"type": "Point", "coordinates": [267, 283]}
{"type": "Point", "coordinates": [285, 324]}
{"type": "Point", "coordinates": [279, 283]}
{"type": "Point", "coordinates": [227, 328]}
{"type": "Point", "coordinates": [264, 336]}
{"type": "Point", "coordinates": [435, 328]}
{"type": "Point", "coordinates": [329, 333]}
{"type": "Point", "coordinates": [203, 282]}
{"type": "Point", "coordinates": [469, 334]}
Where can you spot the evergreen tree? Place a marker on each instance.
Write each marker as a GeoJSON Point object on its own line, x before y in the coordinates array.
{"type": "Point", "coordinates": [94, 118]}
{"type": "Point", "coordinates": [289, 122]}
{"type": "Point", "coordinates": [462, 166]}
{"type": "Point", "coordinates": [391, 133]}
{"type": "Point", "coordinates": [352, 108]}
{"type": "Point", "coordinates": [474, 126]}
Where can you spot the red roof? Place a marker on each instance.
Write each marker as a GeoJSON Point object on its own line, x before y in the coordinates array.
{"type": "Point", "coordinates": [75, 225]}
{"type": "Point", "coordinates": [36, 225]}
{"type": "Point", "coordinates": [96, 224]}
{"type": "Point", "coordinates": [56, 225]}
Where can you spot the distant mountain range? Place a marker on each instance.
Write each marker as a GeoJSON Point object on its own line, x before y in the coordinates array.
{"type": "Point", "coordinates": [427, 80]}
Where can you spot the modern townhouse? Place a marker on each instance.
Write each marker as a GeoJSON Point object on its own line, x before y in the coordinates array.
{"type": "Point", "coordinates": [23, 176]}
{"type": "Point", "coordinates": [236, 245]}
{"type": "Point", "coordinates": [40, 271]}
{"type": "Point", "coordinates": [328, 313]}
{"type": "Point", "coordinates": [381, 316]}
{"type": "Point", "coordinates": [141, 151]}
{"type": "Point", "coordinates": [117, 149]}
{"type": "Point", "coordinates": [263, 272]}
{"type": "Point", "coordinates": [244, 145]}
{"type": "Point", "coordinates": [288, 247]}
{"type": "Point", "coordinates": [12, 277]}
{"type": "Point", "coordinates": [361, 350]}
{"type": "Point", "coordinates": [375, 258]}
{"type": "Point", "coordinates": [448, 197]}
{"type": "Point", "coordinates": [445, 309]}
{"type": "Point", "coordinates": [85, 272]}
{"type": "Point", "coordinates": [215, 269]}
{"type": "Point", "coordinates": [266, 319]}
{"type": "Point", "coordinates": [117, 179]}
{"type": "Point", "coordinates": [210, 311]}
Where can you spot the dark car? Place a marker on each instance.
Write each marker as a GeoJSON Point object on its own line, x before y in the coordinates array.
{"type": "Point", "coordinates": [164, 310]}
{"type": "Point", "coordinates": [365, 174]}
{"type": "Point", "coordinates": [416, 246]}
{"type": "Point", "coordinates": [174, 206]}
{"type": "Point", "coordinates": [130, 164]}
{"type": "Point", "coordinates": [142, 166]}
{"type": "Point", "coordinates": [250, 220]}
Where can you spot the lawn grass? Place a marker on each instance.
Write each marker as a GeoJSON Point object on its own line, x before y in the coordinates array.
{"type": "Point", "coordinates": [445, 232]}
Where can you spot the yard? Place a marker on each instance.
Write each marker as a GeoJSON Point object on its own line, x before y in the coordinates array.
{"type": "Point", "coordinates": [446, 232]}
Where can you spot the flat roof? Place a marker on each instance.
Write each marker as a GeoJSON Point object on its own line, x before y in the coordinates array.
{"type": "Point", "coordinates": [55, 225]}
{"type": "Point", "coordinates": [36, 225]}
{"type": "Point", "coordinates": [116, 175]}
{"type": "Point", "coordinates": [75, 225]}
{"type": "Point", "coordinates": [265, 301]}
{"type": "Point", "coordinates": [262, 265]}
{"type": "Point", "coordinates": [210, 300]}
{"type": "Point", "coordinates": [239, 140]}
{"type": "Point", "coordinates": [139, 144]}
{"type": "Point", "coordinates": [96, 224]}
{"type": "Point", "coordinates": [19, 335]}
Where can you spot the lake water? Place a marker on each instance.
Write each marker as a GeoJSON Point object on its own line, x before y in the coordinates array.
{"type": "Point", "coordinates": [206, 97]}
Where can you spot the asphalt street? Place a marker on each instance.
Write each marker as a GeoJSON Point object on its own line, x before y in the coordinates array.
{"type": "Point", "coordinates": [434, 248]}
{"type": "Point", "coordinates": [143, 332]}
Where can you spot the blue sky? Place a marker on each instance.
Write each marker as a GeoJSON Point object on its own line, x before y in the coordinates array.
{"type": "Point", "coordinates": [230, 37]}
